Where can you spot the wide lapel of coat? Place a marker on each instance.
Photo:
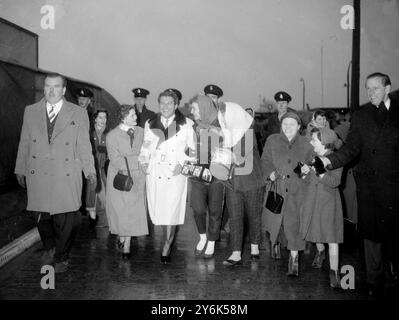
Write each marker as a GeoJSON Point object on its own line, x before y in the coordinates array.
{"type": "Point", "coordinates": [63, 119]}
{"type": "Point", "coordinates": [42, 119]}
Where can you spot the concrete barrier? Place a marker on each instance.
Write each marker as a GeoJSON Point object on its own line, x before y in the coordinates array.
{"type": "Point", "coordinates": [19, 245]}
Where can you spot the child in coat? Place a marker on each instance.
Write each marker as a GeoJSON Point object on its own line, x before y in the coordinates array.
{"type": "Point", "coordinates": [321, 212]}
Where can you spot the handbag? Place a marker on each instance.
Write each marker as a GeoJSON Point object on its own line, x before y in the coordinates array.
{"type": "Point", "coordinates": [274, 201]}
{"type": "Point", "coordinates": [123, 182]}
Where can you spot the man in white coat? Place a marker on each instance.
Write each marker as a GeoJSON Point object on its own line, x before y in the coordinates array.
{"type": "Point", "coordinates": [53, 150]}
{"type": "Point", "coordinates": [166, 140]}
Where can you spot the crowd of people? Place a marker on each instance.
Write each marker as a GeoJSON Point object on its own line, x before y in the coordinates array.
{"type": "Point", "coordinates": [137, 175]}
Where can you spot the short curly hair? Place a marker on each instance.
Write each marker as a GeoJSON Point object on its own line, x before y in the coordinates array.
{"type": "Point", "coordinates": [169, 93]}
{"type": "Point", "coordinates": [124, 111]}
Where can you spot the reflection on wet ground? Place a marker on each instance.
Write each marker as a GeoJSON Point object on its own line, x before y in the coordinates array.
{"type": "Point", "coordinates": [98, 272]}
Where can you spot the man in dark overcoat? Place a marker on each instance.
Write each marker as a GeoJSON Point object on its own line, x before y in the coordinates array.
{"type": "Point", "coordinates": [374, 137]}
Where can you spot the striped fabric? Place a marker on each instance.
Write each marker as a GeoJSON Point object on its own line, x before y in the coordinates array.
{"type": "Point", "coordinates": [51, 113]}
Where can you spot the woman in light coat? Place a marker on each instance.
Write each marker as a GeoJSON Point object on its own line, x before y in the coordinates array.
{"type": "Point", "coordinates": [167, 137]}
{"type": "Point", "coordinates": [126, 210]}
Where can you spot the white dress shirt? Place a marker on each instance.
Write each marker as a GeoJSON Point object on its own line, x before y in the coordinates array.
{"type": "Point", "coordinates": [57, 107]}
{"type": "Point", "coordinates": [169, 121]}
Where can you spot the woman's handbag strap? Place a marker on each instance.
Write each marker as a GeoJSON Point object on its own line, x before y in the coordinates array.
{"type": "Point", "coordinates": [127, 166]}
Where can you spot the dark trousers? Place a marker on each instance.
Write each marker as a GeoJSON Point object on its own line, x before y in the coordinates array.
{"type": "Point", "coordinates": [207, 198]}
{"type": "Point", "coordinates": [374, 262]}
{"type": "Point", "coordinates": [238, 204]}
{"type": "Point", "coordinates": [58, 231]}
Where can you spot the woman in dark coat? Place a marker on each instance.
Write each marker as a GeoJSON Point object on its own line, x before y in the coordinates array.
{"type": "Point", "coordinates": [95, 194]}
{"type": "Point", "coordinates": [281, 155]}
{"type": "Point", "coordinates": [321, 213]}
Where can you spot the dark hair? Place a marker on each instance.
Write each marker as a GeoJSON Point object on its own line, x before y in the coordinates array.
{"type": "Point", "coordinates": [95, 114]}
{"type": "Point", "coordinates": [169, 93]}
{"type": "Point", "coordinates": [124, 111]}
{"type": "Point", "coordinates": [329, 146]}
{"type": "Point", "coordinates": [382, 76]}
{"type": "Point", "coordinates": [56, 75]}
{"type": "Point", "coordinates": [320, 113]}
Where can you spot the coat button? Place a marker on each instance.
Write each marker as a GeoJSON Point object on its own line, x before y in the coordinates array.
{"type": "Point", "coordinates": [66, 159]}
{"type": "Point", "coordinates": [34, 140]}
{"type": "Point", "coordinates": [67, 174]}
{"type": "Point", "coordinates": [67, 143]}
{"type": "Point", "coordinates": [373, 151]}
{"type": "Point", "coordinates": [286, 190]}
{"type": "Point", "coordinates": [289, 160]}
{"type": "Point", "coordinates": [32, 172]}
{"type": "Point", "coordinates": [159, 177]}
{"type": "Point", "coordinates": [288, 176]}
{"type": "Point", "coordinates": [290, 147]}
{"type": "Point", "coordinates": [34, 157]}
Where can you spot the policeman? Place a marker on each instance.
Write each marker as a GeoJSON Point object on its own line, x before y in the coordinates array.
{"type": "Point", "coordinates": [85, 98]}
{"type": "Point", "coordinates": [178, 93]}
{"type": "Point", "coordinates": [142, 112]}
{"type": "Point", "coordinates": [214, 92]}
{"type": "Point", "coordinates": [282, 99]}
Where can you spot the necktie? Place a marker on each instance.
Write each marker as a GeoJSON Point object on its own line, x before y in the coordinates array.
{"type": "Point", "coordinates": [130, 132]}
{"type": "Point", "coordinates": [51, 113]}
{"type": "Point", "coordinates": [166, 123]}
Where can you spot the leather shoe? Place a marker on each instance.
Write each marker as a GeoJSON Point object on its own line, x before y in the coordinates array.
{"type": "Point", "coordinates": [120, 244]}
{"type": "Point", "coordinates": [165, 259]}
{"type": "Point", "coordinates": [208, 256]}
{"type": "Point", "coordinates": [230, 262]}
{"type": "Point", "coordinates": [255, 257]}
{"type": "Point", "coordinates": [293, 266]}
{"type": "Point", "coordinates": [335, 279]}
{"type": "Point", "coordinates": [61, 267]}
{"type": "Point", "coordinates": [275, 251]}
{"type": "Point", "coordinates": [126, 255]}
{"type": "Point", "coordinates": [318, 259]}
{"type": "Point", "coordinates": [197, 252]}
{"type": "Point", "coordinates": [375, 291]}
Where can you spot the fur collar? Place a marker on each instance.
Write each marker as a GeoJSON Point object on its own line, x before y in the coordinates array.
{"type": "Point", "coordinates": [157, 127]}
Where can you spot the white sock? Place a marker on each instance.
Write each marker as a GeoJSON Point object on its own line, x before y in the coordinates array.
{"type": "Point", "coordinates": [92, 214]}
{"type": "Point", "coordinates": [254, 249]}
{"type": "Point", "coordinates": [210, 248]}
{"type": "Point", "coordinates": [235, 256]}
{"type": "Point", "coordinates": [294, 254]}
{"type": "Point", "coordinates": [201, 244]}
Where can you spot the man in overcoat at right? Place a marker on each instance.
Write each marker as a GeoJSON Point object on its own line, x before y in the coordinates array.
{"type": "Point", "coordinates": [374, 138]}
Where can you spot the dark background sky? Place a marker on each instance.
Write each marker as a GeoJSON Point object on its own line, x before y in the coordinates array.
{"type": "Point", "coordinates": [249, 48]}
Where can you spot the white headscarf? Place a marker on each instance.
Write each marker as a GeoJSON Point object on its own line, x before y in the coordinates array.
{"type": "Point", "coordinates": [235, 122]}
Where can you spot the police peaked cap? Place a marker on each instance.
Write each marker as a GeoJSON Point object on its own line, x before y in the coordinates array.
{"type": "Point", "coordinates": [212, 89]}
{"type": "Point", "coordinates": [282, 96]}
{"type": "Point", "coordinates": [177, 92]}
{"type": "Point", "coordinates": [140, 93]}
{"type": "Point", "coordinates": [83, 92]}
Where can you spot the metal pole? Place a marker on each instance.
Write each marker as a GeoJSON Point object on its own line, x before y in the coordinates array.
{"type": "Point", "coordinates": [348, 85]}
{"type": "Point", "coordinates": [322, 76]}
{"type": "Point", "coordinates": [303, 93]}
{"type": "Point", "coordinates": [355, 58]}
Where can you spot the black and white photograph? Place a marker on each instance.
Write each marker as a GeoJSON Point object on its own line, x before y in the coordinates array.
{"type": "Point", "coordinates": [110, 110]}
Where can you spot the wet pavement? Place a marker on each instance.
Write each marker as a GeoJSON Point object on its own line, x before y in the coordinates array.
{"type": "Point", "coordinates": [98, 272]}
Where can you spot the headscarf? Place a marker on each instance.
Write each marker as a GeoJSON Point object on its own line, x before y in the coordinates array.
{"type": "Point", "coordinates": [235, 121]}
